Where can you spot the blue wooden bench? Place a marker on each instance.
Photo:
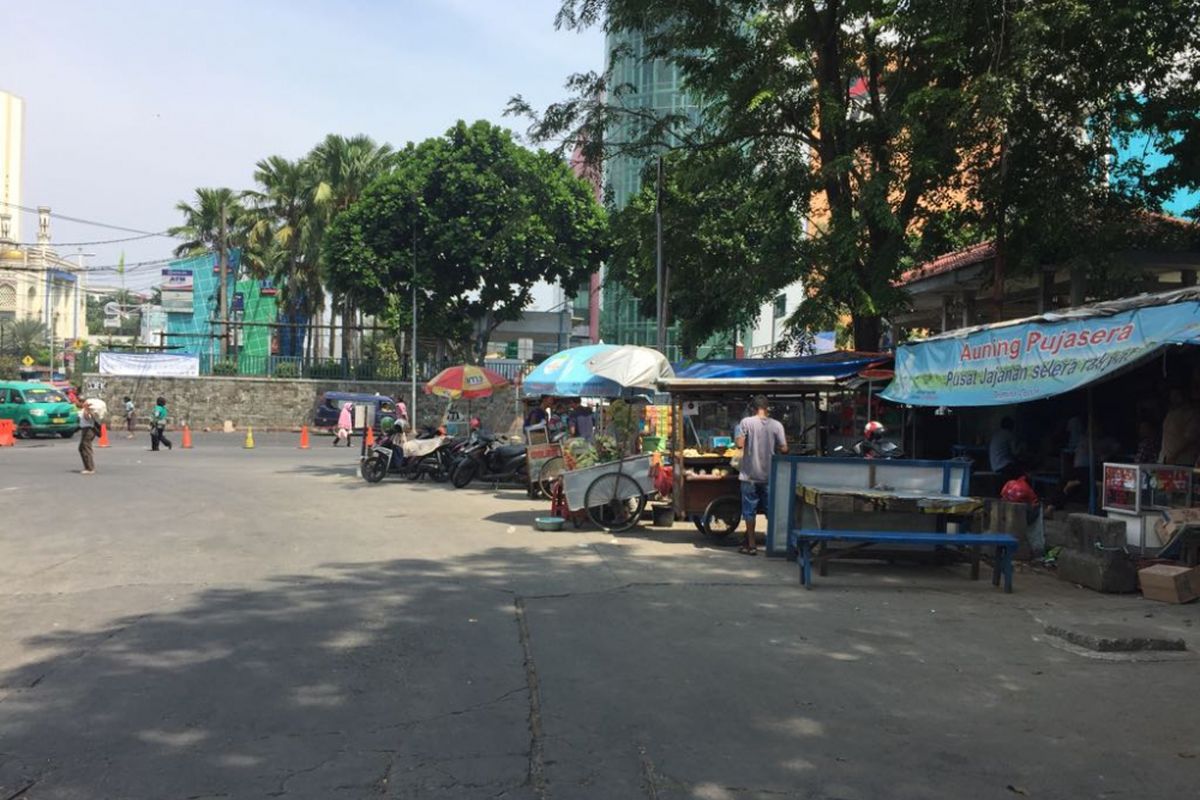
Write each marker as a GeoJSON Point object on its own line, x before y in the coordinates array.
{"type": "Point", "coordinates": [803, 540]}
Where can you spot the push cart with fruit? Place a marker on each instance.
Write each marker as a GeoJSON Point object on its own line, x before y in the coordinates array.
{"type": "Point", "coordinates": [613, 494]}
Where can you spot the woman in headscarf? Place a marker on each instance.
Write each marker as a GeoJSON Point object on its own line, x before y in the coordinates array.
{"type": "Point", "coordinates": [345, 424]}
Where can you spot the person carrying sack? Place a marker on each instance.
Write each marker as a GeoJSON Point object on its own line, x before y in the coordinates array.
{"type": "Point", "coordinates": [88, 425]}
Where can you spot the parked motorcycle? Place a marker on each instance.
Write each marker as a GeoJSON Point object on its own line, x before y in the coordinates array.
{"type": "Point", "coordinates": [437, 464]}
{"type": "Point", "coordinates": [872, 445]}
{"type": "Point", "coordinates": [387, 456]}
{"type": "Point", "coordinates": [487, 458]}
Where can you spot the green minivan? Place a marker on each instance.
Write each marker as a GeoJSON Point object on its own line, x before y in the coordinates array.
{"type": "Point", "coordinates": [37, 408]}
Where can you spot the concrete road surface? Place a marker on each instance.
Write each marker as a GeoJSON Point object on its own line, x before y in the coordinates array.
{"type": "Point", "coordinates": [231, 623]}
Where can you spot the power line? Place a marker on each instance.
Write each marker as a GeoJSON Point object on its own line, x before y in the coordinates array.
{"type": "Point", "coordinates": [96, 224]}
{"type": "Point", "coordinates": [101, 241]}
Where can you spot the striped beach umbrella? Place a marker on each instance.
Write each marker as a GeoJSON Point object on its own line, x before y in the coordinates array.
{"type": "Point", "coordinates": [465, 380]}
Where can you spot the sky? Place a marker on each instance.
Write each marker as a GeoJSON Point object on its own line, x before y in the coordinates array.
{"type": "Point", "coordinates": [132, 104]}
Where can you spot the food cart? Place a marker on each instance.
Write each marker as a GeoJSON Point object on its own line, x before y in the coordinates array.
{"type": "Point", "coordinates": [595, 373]}
{"type": "Point", "coordinates": [711, 397]}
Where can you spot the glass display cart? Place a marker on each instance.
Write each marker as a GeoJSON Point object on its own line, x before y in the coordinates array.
{"type": "Point", "coordinates": [1136, 493]}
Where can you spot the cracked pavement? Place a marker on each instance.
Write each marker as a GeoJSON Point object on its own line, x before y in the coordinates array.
{"type": "Point", "coordinates": [223, 623]}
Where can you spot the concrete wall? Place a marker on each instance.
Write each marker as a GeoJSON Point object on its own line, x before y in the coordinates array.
{"type": "Point", "coordinates": [268, 403]}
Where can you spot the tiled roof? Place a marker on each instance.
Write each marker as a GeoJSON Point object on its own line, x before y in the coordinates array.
{"type": "Point", "coordinates": [975, 254]}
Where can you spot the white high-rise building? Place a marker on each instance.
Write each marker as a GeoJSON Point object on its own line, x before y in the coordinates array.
{"type": "Point", "coordinates": [12, 142]}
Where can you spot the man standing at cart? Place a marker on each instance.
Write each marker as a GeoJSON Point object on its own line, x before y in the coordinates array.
{"type": "Point", "coordinates": [759, 438]}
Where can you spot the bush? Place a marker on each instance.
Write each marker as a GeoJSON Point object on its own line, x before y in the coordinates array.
{"type": "Point", "coordinates": [376, 371]}
{"type": "Point", "coordinates": [327, 370]}
{"type": "Point", "coordinates": [287, 369]}
{"type": "Point", "coordinates": [9, 368]}
{"type": "Point", "coordinates": [226, 367]}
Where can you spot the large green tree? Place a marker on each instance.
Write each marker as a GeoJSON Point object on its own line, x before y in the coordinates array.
{"type": "Point", "coordinates": [732, 234]}
{"type": "Point", "coordinates": [481, 218]}
{"type": "Point", "coordinates": [895, 115]}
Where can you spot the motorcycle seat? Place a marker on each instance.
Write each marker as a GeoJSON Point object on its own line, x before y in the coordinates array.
{"type": "Point", "coordinates": [510, 450]}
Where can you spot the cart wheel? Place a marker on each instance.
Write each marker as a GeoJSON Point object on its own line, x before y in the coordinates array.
{"type": "Point", "coordinates": [550, 471]}
{"type": "Point", "coordinates": [606, 508]}
{"type": "Point", "coordinates": [721, 518]}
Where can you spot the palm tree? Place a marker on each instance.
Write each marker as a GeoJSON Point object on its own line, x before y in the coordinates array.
{"type": "Point", "coordinates": [201, 228]}
{"type": "Point", "coordinates": [216, 221]}
{"type": "Point", "coordinates": [345, 168]}
{"type": "Point", "coordinates": [286, 216]}
{"type": "Point", "coordinates": [25, 337]}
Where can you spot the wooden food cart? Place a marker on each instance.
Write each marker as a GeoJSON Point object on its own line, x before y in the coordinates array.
{"type": "Point", "coordinates": [705, 482]}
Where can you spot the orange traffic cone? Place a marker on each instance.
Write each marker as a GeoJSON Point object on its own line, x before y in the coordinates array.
{"type": "Point", "coordinates": [304, 437]}
{"type": "Point", "coordinates": [370, 437]}
{"type": "Point", "coordinates": [103, 436]}
{"type": "Point", "coordinates": [187, 437]}
{"type": "Point", "coordinates": [6, 433]}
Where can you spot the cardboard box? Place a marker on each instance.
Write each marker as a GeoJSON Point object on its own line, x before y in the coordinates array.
{"type": "Point", "coordinates": [1169, 583]}
{"type": "Point", "coordinates": [1172, 520]}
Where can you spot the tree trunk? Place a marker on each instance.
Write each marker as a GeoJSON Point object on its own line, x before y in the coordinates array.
{"type": "Point", "coordinates": [867, 332]}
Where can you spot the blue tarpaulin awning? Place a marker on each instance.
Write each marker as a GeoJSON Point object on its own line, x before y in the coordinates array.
{"type": "Point", "coordinates": [774, 375]}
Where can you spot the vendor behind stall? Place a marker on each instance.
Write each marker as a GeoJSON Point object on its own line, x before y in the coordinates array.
{"type": "Point", "coordinates": [1002, 451]}
{"type": "Point", "coordinates": [759, 438]}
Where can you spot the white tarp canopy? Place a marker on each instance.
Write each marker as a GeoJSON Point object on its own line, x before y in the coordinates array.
{"type": "Point", "coordinates": [151, 365]}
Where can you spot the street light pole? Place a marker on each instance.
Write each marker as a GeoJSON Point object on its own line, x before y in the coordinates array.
{"type": "Point", "coordinates": [412, 412]}
{"type": "Point", "coordinates": [660, 277]}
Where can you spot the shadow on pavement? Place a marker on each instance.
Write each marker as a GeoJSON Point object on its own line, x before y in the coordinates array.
{"type": "Point", "coordinates": [508, 672]}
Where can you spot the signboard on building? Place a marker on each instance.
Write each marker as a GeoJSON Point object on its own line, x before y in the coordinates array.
{"type": "Point", "coordinates": [177, 280]}
{"type": "Point", "coordinates": [175, 301]}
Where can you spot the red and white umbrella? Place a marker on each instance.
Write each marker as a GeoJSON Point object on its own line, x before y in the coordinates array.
{"type": "Point", "coordinates": [465, 380]}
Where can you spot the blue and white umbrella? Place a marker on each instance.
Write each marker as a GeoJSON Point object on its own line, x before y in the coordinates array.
{"type": "Point", "coordinates": [598, 370]}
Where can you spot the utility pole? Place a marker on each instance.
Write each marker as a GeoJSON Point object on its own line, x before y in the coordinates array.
{"type": "Point", "coordinates": [412, 412]}
{"type": "Point", "coordinates": [222, 302]}
{"type": "Point", "coordinates": [659, 270]}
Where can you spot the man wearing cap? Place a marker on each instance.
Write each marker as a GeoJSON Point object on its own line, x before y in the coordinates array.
{"type": "Point", "coordinates": [759, 438]}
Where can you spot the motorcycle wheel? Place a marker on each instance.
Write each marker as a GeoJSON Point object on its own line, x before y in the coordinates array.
{"type": "Point", "coordinates": [464, 473]}
{"type": "Point", "coordinates": [445, 467]}
{"type": "Point", "coordinates": [411, 470]}
{"type": "Point", "coordinates": [373, 470]}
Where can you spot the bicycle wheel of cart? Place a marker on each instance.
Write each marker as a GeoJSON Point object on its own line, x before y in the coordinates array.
{"type": "Point", "coordinates": [722, 517]}
{"type": "Point", "coordinates": [605, 506]}
{"type": "Point", "coordinates": [549, 473]}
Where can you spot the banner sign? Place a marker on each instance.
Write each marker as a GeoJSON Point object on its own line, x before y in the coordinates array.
{"type": "Point", "coordinates": [177, 279]}
{"type": "Point", "coordinates": [175, 301]}
{"type": "Point", "coordinates": [1030, 361]}
{"type": "Point", "coordinates": [150, 364]}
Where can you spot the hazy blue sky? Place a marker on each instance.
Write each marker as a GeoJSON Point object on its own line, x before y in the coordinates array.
{"type": "Point", "coordinates": [131, 104]}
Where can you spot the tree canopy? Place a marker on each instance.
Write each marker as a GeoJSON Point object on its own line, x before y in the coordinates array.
{"type": "Point", "coordinates": [483, 220]}
{"type": "Point", "coordinates": [960, 119]}
{"type": "Point", "coordinates": [733, 235]}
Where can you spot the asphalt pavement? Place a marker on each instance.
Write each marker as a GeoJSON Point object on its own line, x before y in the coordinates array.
{"type": "Point", "coordinates": [232, 623]}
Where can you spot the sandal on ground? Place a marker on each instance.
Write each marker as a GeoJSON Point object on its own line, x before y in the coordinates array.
{"type": "Point", "coordinates": [747, 550]}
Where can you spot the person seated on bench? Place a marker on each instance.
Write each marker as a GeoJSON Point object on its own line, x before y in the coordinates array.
{"type": "Point", "coordinates": [1002, 451]}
